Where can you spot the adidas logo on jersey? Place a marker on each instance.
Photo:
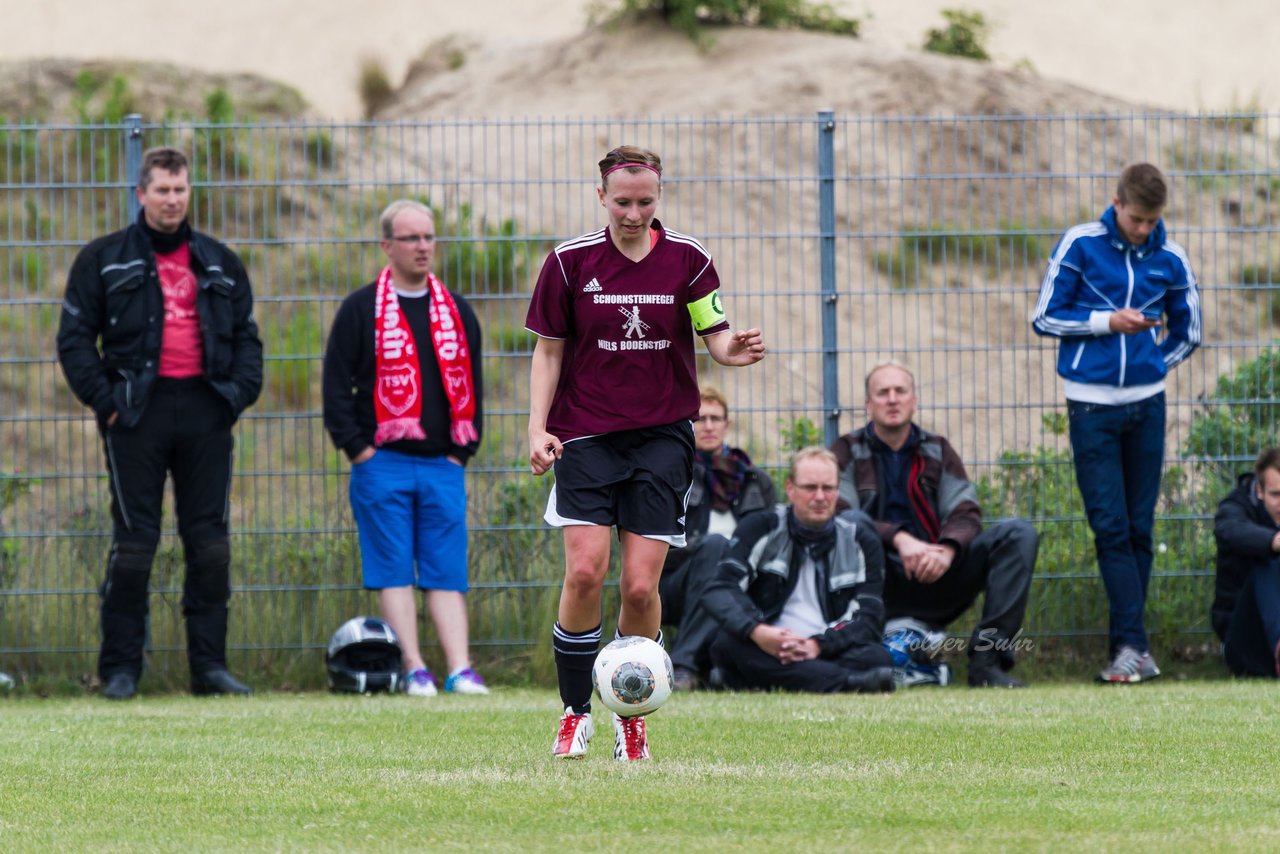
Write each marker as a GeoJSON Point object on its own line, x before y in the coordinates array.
{"type": "Point", "coordinates": [592, 287]}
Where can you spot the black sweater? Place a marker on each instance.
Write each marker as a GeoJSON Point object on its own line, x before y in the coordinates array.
{"type": "Point", "coordinates": [349, 370]}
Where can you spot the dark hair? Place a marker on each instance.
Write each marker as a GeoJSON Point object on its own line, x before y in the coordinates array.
{"type": "Point", "coordinates": [1142, 184]}
{"type": "Point", "coordinates": [629, 154]}
{"type": "Point", "coordinates": [1268, 459]}
{"type": "Point", "coordinates": [168, 159]}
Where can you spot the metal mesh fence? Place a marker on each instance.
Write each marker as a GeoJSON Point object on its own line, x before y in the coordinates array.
{"type": "Point", "coordinates": [848, 239]}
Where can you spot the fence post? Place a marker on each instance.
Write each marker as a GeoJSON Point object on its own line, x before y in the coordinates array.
{"type": "Point", "coordinates": [132, 160]}
{"type": "Point", "coordinates": [827, 273]}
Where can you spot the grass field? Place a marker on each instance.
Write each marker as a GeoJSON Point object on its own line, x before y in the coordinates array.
{"type": "Point", "coordinates": [1169, 766]}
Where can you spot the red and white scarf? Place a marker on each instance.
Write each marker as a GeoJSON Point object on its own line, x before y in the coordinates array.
{"type": "Point", "coordinates": [397, 396]}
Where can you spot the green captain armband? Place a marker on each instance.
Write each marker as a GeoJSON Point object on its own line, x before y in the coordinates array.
{"type": "Point", "coordinates": [706, 312]}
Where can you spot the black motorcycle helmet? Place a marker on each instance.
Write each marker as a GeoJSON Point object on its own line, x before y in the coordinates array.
{"type": "Point", "coordinates": [363, 656]}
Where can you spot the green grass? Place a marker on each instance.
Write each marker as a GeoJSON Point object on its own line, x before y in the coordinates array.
{"type": "Point", "coordinates": [1174, 765]}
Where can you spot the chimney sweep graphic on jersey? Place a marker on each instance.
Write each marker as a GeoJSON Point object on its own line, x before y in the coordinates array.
{"type": "Point", "coordinates": [634, 324]}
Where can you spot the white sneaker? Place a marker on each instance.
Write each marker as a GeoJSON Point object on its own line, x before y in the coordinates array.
{"type": "Point", "coordinates": [630, 739]}
{"type": "Point", "coordinates": [574, 735]}
{"type": "Point", "coordinates": [1130, 666]}
{"type": "Point", "coordinates": [464, 680]}
{"type": "Point", "coordinates": [418, 683]}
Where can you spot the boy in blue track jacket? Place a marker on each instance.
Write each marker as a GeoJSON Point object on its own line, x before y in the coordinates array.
{"type": "Point", "coordinates": [1122, 300]}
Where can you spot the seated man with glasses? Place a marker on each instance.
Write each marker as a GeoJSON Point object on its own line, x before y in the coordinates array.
{"type": "Point", "coordinates": [797, 594]}
{"type": "Point", "coordinates": [726, 487]}
{"type": "Point", "coordinates": [938, 557]}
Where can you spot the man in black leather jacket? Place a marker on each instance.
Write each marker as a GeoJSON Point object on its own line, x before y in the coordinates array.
{"type": "Point", "coordinates": [726, 487]}
{"type": "Point", "coordinates": [157, 336]}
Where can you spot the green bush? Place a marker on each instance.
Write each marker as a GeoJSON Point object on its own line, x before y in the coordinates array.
{"type": "Point", "coordinates": [799, 434]}
{"type": "Point", "coordinates": [965, 35]}
{"type": "Point", "coordinates": [293, 348]}
{"type": "Point", "coordinates": [1239, 420]}
{"type": "Point", "coordinates": [1261, 278]}
{"type": "Point", "coordinates": [482, 258]}
{"type": "Point", "coordinates": [507, 339]}
{"type": "Point", "coordinates": [900, 266]}
{"type": "Point", "coordinates": [318, 149]}
{"type": "Point", "coordinates": [112, 107]}
{"type": "Point", "coordinates": [1011, 244]}
{"type": "Point", "coordinates": [692, 17]}
{"type": "Point", "coordinates": [375, 86]}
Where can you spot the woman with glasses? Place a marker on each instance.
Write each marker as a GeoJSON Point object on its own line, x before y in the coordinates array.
{"type": "Point", "coordinates": [613, 392]}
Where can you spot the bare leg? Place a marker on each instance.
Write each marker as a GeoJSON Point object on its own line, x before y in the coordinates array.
{"type": "Point", "coordinates": [400, 609]}
{"type": "Point", "coordinates": [586, 557]}
{"type": "Point", "coordinates": [449, 612]}
{"type": "Point", "coordinates": [642, 559]}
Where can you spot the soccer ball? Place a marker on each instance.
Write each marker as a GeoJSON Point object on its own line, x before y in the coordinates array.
{"type": "Point", "coordinates": [633, 676]}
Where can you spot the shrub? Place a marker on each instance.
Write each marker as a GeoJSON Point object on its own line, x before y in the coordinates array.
{"type": "Point", "coordinates": [1238, 421]}
{"type": "Point", "coordinates": [509, 339]}
{"type": "Point", "coordinates": [218, 107]}
{"type": "Point", "coordinates": [318, 149]}
{"type": "Point", "coordinates": [294, 347]}
{"type": "Point", "coordinates": [480, 258]}
{"type": "Point", "coordinates": [965, 35]}
{"type": "Point", "coordinates": [899, 266]}
{"type": "Point", "coordinates": [691, 17]}
{"type": "Point", "coordinates": [375, 86]}
{"type": "Point", "coordinates": [799, 434]}
{"type": "Point", "coordinates": [1011, 244]}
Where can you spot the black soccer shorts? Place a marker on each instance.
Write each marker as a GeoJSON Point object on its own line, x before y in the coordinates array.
{"type": "Point", "coordinates": [638, 480]}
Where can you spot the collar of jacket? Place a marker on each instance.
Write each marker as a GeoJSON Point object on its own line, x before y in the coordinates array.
{"type": "Point", "coordinates": [164, 242]}
{"type": "Point", "coordinates": [1153, 242]}
{"type": "Point", "coordinates": [914, 437]}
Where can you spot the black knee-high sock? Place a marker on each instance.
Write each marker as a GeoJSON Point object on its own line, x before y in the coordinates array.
{"type": "Point", "coordinates": [660, 640]}
{"type": "Point", "coordinates": [575, 656]}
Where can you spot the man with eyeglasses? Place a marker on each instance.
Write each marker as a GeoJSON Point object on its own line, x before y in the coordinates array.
{"type": "Point", "coordinates": [938, 557]}
{"type": "Point", "coordinates": [798, 594]}
{"type": "Point", "coordinates": [402, 398]}
{"type": "Point", "coordinates": [726, 487]}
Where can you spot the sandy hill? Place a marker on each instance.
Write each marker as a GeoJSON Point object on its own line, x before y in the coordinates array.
{"type": "Point", "coordinates": [647, 70]}
{"type": "Point", "coordinates": [61, 90]}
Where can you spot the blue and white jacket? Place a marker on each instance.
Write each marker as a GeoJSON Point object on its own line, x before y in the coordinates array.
{"type": "Point", "coordinates": [1094, 272]}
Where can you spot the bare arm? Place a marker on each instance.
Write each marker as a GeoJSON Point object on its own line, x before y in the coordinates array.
{"type": "Point", "coordinates": [736, 349]}
{"type": "Point", "coordinates": [544, 449]}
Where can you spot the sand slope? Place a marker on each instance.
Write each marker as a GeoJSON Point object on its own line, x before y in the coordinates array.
{"type": "Point", "coordinates": [1182, 54]}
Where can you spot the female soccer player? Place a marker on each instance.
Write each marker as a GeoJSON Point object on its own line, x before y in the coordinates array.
{"type": "Point", "coordinates": [614, 392]}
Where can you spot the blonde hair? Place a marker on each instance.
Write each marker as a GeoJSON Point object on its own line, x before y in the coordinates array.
{"type": "Point", "coordinates": [813, 452]}
{"type": "Point", "coordinates": [388, 216]}
{"type": "Point", "coordinates": [711, 394]}
{"type": "Point", "coordinates": [886, 363]}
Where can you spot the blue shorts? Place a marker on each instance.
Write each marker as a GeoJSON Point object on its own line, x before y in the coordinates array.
{"type": "Point", "coordinates": [411, 509]}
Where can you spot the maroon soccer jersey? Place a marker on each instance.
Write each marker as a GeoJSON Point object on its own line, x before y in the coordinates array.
{"type": "Point", "coordinates": [629, 349]}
